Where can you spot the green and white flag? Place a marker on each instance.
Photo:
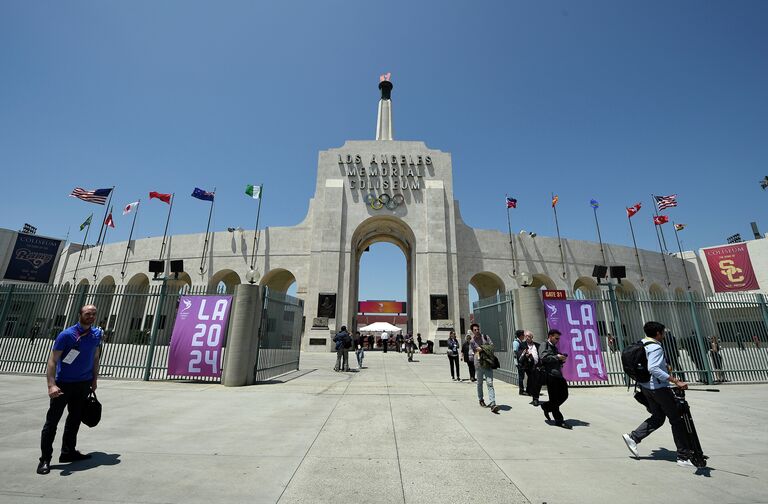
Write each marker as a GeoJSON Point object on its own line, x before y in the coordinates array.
{"type": "Point", "coordinates": [86, 223]}
{"type": "Point", "coordinates": [254, 191]}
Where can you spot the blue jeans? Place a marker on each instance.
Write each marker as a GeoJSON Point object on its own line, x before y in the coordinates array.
{"type": "Point", "coordinates": [485, 375]}
{"type": "Point", "coordinates": [360, 353]}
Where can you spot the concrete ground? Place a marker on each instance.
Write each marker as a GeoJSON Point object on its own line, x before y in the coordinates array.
{"type": "Point", "coordinates": [393, 432]}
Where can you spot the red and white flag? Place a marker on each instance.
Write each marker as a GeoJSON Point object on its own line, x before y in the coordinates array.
{"type": "Point", "coordinates": [634, 209]}
{"type": "Point", "coordinates": [130, 207]}
{"type": "Point", "coordinates": [109, 221]}
{"type": "Point", "coordinates": [660, 219]}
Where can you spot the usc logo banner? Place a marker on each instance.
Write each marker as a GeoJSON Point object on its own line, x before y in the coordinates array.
{"type": "Point", "coordinates": [731, 268]}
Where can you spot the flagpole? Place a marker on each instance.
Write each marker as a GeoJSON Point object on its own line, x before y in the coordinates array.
{"type": "Point", "coordinates": [511, 243]}
{"type": "Point", "coordinates": [599, 237]}
{"type": "Point", "coordinates": [205, 245]}
{"type": "Point", "coordinates": [101, 248]}
{"type": "Point", "coordinates": [80, 255]}
{"type": "Point", "coordinates": [165, 233]}
{"type": "Point", "coordinates": [559, 241]}
{"type": "Point", "coordinates": [656, 211]}
{"type": "Point", "coordinates": [130, 236]}
{"type": "Point", "coordinates": [106, 209]}
{"type": "Point", "coordinates": [634, 242]}
{"type": "Point", "coordinates": [661, 249]}
{"type": "Point", "coordinates": [256, 232]}
{"type": "Point", "coordinates": [680, 249]}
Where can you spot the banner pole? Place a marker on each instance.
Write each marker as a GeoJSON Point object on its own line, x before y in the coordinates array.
{"type": "Point", "coordinates": [599, 237]}
{"type": "Point", "coordinates": [661, 250]}
{"type": "Point", "coordinates": [205, 245]}
{"type": "Point", "coordinates": [130, 236]}
{"type": "Point", "coordinates": [165, 233]}
{"type": "Point", "coordinates": [634, 243]}
{"type": "Point", "coordinates": [680, 249]}
{"type": "Point", "coordinates": [80, 255]}
{"type": "Point", "coordinates": [511, 243]}
{"type": "Point", "coordinates": [101, 248]}
{"type": "Point", "coordinates": [559, 241]}
{"type": "Point", "coordinates": [256, 232]}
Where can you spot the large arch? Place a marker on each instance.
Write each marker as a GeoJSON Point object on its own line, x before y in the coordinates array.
{"type": "Point", "coordinates": [383, 228]}
{"type": "Point", "coordinates": [541, 280]}
{"type": "Point", "coordinates": [487, 284]}
{"type": "Point", "coordinates": [226, 276]}
{"type": "Point", "coordinates": [181, 284]}
{"type": "Point", "coordinates": [626, 289]}
{"type": "Point", "coordinates": [586, 288]}
{"type": "Point", "coordinates": [102, 297]}
{"type": "Point", "coordinates": [278, 279]}
{"type": "Point", "coordinates": [131, 311]}
{"type": "Point", "coordinates": [656, 291]}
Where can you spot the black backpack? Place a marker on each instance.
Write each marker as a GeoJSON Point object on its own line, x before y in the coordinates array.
{"type": "Point", "coordinates": [347, 341]}
{"type": "Point", "coordinates": [635, 361]}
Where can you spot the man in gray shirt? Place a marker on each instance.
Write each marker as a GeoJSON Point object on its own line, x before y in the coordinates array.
{"type": "Point", "coordinates": [660, 398]}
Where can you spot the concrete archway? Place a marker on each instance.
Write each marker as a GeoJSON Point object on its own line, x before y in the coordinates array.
{"type": "Point", "coordinates": [103, 297]}
{"type": "Point", "coordinates": [541, 280]}
{"type": "Point", "coordinates": [278, 279]}
{"type": "Point", "coordinates": [487, 284]}
{"type": "Point", "coordinates": [129, 324]}
{"type": "Point", "coordinates": [586, 288]}
{"type": "Point", "coordinates": [383, 229]}
{"type": "Point", "coordinates": [656, 291]}
{"type": "Point", "coordinates": [228, 278]}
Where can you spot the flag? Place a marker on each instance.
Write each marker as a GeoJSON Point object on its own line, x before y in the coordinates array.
{"type": "Point", "coordinates": [764, 183]}
{"type": "Point", "coordinates": [86, 223]}
{"type": "Point", "coordinates": [511, 202]}
{"type": "Point", "coordinates": [202, 195]}
{"type": "Point", "coordinates": [594, 203]}
{"type": "Point", "coordinates": [386, 77]}
{"type": "Point", "coordinates": [555, 199]}
{"type": "Point", "coordinates": [634, 209]}
{"type": "Point", "coordinates": [109, 221]}
{"type": "Point", "coordinates": [254, 191]}
{"type": "Point", "coordinates": [660, 219]}
{"type": "Point", "coordinates": [98, 196]}
{"type": "Point", "coordinates": [165, 198]}
{"type": "Point", "coordinates": [679, 227]}
{"type": "Point", "coordinates": [129, 207]}
{"type": "Point", "coordinates": [664, 202]}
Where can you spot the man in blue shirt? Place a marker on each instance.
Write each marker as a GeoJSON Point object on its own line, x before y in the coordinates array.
{"type": "Point", "coordinates": [661, 399]}
{"type": "Point", "coordinates": [73, 368]}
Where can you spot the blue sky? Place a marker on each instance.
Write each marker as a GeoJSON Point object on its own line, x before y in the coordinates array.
{"type": "Point", "coordinates": [611, 100]}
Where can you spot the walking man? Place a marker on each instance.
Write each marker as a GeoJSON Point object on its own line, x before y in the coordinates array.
{"type": "Point", "coordinates": [384, 340]}
{"type": "Point", "coordinates": [359, 351]}
{"type": "Point", "coordinates": [661, 399]}
{"type": "Point", "coordinates": [531, 365]}
{"type": "Point", "coordinates": [72, 372]}
{"type": "Point", "coordinates": [482, 348]}
{"type": "Point", "coordinates": [518, 345]}
{"type": "Point", "coordinates": [453, 355]}
{"type": "Point", "coordinates": [409, 346]}
{"type": "Point", "coordinates": [557, 387]}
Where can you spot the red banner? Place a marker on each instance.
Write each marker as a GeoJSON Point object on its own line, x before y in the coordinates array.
{"type": "Point", "coordinates": [731, 268]}
{"type": "Point", "coordinates": [380, 307]}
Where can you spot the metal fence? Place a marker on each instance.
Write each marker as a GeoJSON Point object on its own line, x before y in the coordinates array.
{"type": "Point", "coordinates": [137, 322]}
{"type": "Point", "coordinates": [717, 338]}
{"type": "Point", "coordinates": [280, 341]}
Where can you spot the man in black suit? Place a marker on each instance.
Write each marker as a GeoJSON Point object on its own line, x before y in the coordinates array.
{"type": "Point", "coordinates": [530, 363]}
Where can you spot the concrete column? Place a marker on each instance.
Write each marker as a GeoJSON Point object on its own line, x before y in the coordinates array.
{"type": "Point", "coordinates": [529, 312]}
{"type": "Point", "coordinates": [243, 339]}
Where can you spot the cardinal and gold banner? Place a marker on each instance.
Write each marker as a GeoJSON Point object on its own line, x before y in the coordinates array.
{"type": "Point", "coordinates": [731, 268]}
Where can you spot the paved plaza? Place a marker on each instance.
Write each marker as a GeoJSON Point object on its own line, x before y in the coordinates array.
{"type": "Point", "coordinates": [391, 433]}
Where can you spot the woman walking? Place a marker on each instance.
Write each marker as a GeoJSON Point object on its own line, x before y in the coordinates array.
{"type": "Point", "coordinates": [468, 357]}
{"type": "Point", "coordinates": [453, 355]}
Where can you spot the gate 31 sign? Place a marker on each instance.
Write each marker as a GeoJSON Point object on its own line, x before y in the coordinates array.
{"type": "Point", "coordinates": [198, 334]}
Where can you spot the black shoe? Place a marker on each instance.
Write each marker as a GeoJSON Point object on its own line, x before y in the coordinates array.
{"type": "Point", "coordinates": [565, 426]}
{"type": "Point", "coordinates": [44, 467]}
{"type": "Point", "coordinates": [73, 457]}
{"type": "Point", "coordinates": [535, 403]}
{"type": "Point", "coordinates": [494, 408]}
{"type": "Point", "coordinates": [482, 403]}
{"type": "Point", "coordinates": [546, 413]}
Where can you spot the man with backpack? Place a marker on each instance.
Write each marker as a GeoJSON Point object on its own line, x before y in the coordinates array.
{"type": "Point", "coordinates": [644, 361]}
{"type": "Point", "coordinates": [343, 343]}
{"type": "Point", "coordinates": [482, 348]}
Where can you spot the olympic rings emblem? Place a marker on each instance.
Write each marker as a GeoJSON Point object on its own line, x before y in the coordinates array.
{"type": "Point", "coordinates": [384, 200]}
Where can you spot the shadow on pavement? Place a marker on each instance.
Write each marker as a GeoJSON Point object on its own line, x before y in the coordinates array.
{"type": "Point", "coordinates": [97, 459]}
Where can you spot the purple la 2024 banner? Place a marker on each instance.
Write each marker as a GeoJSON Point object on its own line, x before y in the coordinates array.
{"type": "Point", "coordinates": [577, 322]}
{"type": "Point", "coordinates": [201, 323]}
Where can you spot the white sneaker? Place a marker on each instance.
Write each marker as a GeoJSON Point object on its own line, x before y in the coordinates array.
{"type": "Point", "coordinates": [631, 445]}
{"type": "Point", "coordinates": [685, 463]}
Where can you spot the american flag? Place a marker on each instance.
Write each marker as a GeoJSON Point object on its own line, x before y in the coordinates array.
{"type": "Point", "coordinates": [98, 196]}
{"type": "Point", "coordinates": [664, 202]}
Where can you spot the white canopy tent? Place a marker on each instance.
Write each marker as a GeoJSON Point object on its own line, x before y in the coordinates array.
{"type": "Point", "coordinates": [380, 327]}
